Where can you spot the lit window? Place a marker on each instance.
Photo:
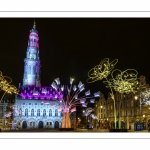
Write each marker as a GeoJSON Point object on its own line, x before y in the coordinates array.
{"type": "Point", "coordinates": [56, 113]}
{"type": "Point", "coordinates": [26, 112]}
{"type": "Point", "coordinates": [44, 113]}
{"type": "Point", "coordinates": [32, 112]}
{"type": "Point", "coordinates": [50, 112]}
{"type": "Point", "coordinates": [38, 112]}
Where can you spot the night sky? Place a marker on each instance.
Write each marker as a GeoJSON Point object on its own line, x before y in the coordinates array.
{"type": "Point", "coordinates": [70, 47]}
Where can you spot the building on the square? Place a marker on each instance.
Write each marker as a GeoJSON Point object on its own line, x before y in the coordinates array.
{"type": "Point", "coordinates": [127, 105]}
{"type": "Point", "coordinates": [37, 106]}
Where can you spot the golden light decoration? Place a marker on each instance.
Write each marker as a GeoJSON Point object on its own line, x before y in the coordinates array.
{"type": "Point", "coordinates": [102, 70]}
{"type": "Point", "coordinates": [6, 86]}
{"type": "Point", "coordinates": [123, 81]}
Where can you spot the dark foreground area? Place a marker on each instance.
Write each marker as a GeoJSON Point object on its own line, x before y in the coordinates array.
{"type": "Point", "coordinates": [62, 131]}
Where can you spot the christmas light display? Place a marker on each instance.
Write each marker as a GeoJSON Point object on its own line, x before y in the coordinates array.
{"type": "Point", "coordinates": [124, 82]}
{"type": "Point", "coordinates": [6, 86]}
{"type": "Point", "coordinates": [144, 96]}
{"type": "Point", "coordinates": [15, 109]}
{"type": "Point", "coordinates": [101, 71]}
{"type": "Point", "coordinates": [71, 99]}
{"type": "Point", "coordinates": [89, 112]}
{"type": "Point", "coordinates": [121, 81]}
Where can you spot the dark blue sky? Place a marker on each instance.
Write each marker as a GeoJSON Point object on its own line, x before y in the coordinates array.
{"type": "Point", "coordinates": [70, 47]}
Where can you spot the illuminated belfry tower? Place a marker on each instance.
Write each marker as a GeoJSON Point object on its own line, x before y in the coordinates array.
{"type": "Point", "coordinates": [32, 62]}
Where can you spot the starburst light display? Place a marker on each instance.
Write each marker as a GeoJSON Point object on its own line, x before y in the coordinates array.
{"type": "Point", "coordinates": [72, 98]}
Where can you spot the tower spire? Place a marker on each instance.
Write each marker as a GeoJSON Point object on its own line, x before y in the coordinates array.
{"type": "Point", "coordinates": [34, 24]}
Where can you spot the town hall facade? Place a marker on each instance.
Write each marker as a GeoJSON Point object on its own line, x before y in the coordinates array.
{"type": "Point", "coordinates": [36, 106]}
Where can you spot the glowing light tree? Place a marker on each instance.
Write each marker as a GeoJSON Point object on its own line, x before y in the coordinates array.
{"type": "Point", "coordinates": [144, 96]}
{"type": "Point", "coordinates": [71, 99]}
{"type": "Point", "coordinates": [144, 99]}
{"type": "Point", "coordinates": [90, 112]}
{"type": "Point", "coordinates": [14, 109]}
{"type": "Point", "coordinates": [124, 82]}
{"type": "Point", "coordinates": [6, 86]}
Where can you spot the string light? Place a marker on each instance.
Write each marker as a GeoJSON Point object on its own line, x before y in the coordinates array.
{"type": "Point", "coordinates": [101, 71]}
{"type": "Point", "coordinates": [124, 81]}
{"type": "Point", "coordinates": [6, 86]}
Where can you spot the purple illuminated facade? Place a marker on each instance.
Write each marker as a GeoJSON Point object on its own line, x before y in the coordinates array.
{"type": "Point", "coordinates": [41, 93]}
{"type": "Point", "coordinates": [38, 106]}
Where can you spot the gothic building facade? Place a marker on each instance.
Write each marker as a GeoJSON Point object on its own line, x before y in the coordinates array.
{"type": "Point", "coordinates": [36, 106]}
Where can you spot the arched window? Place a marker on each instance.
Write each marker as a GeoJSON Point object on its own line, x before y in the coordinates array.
{"type": "Point", "coordinates": [56, 113]}
{"type": "Point", "coordinates": [50, 112]}
{"type": "Point", "coordinates": [26, 112]}
{"type": "Point", "coordinates": [32, 112]}
{"type": "Point", "coordinates": [38, 112]}
{"type": "Point", "coordinates": [44, 113]}
{"type": "Point", "coordinates": [20, 112]}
